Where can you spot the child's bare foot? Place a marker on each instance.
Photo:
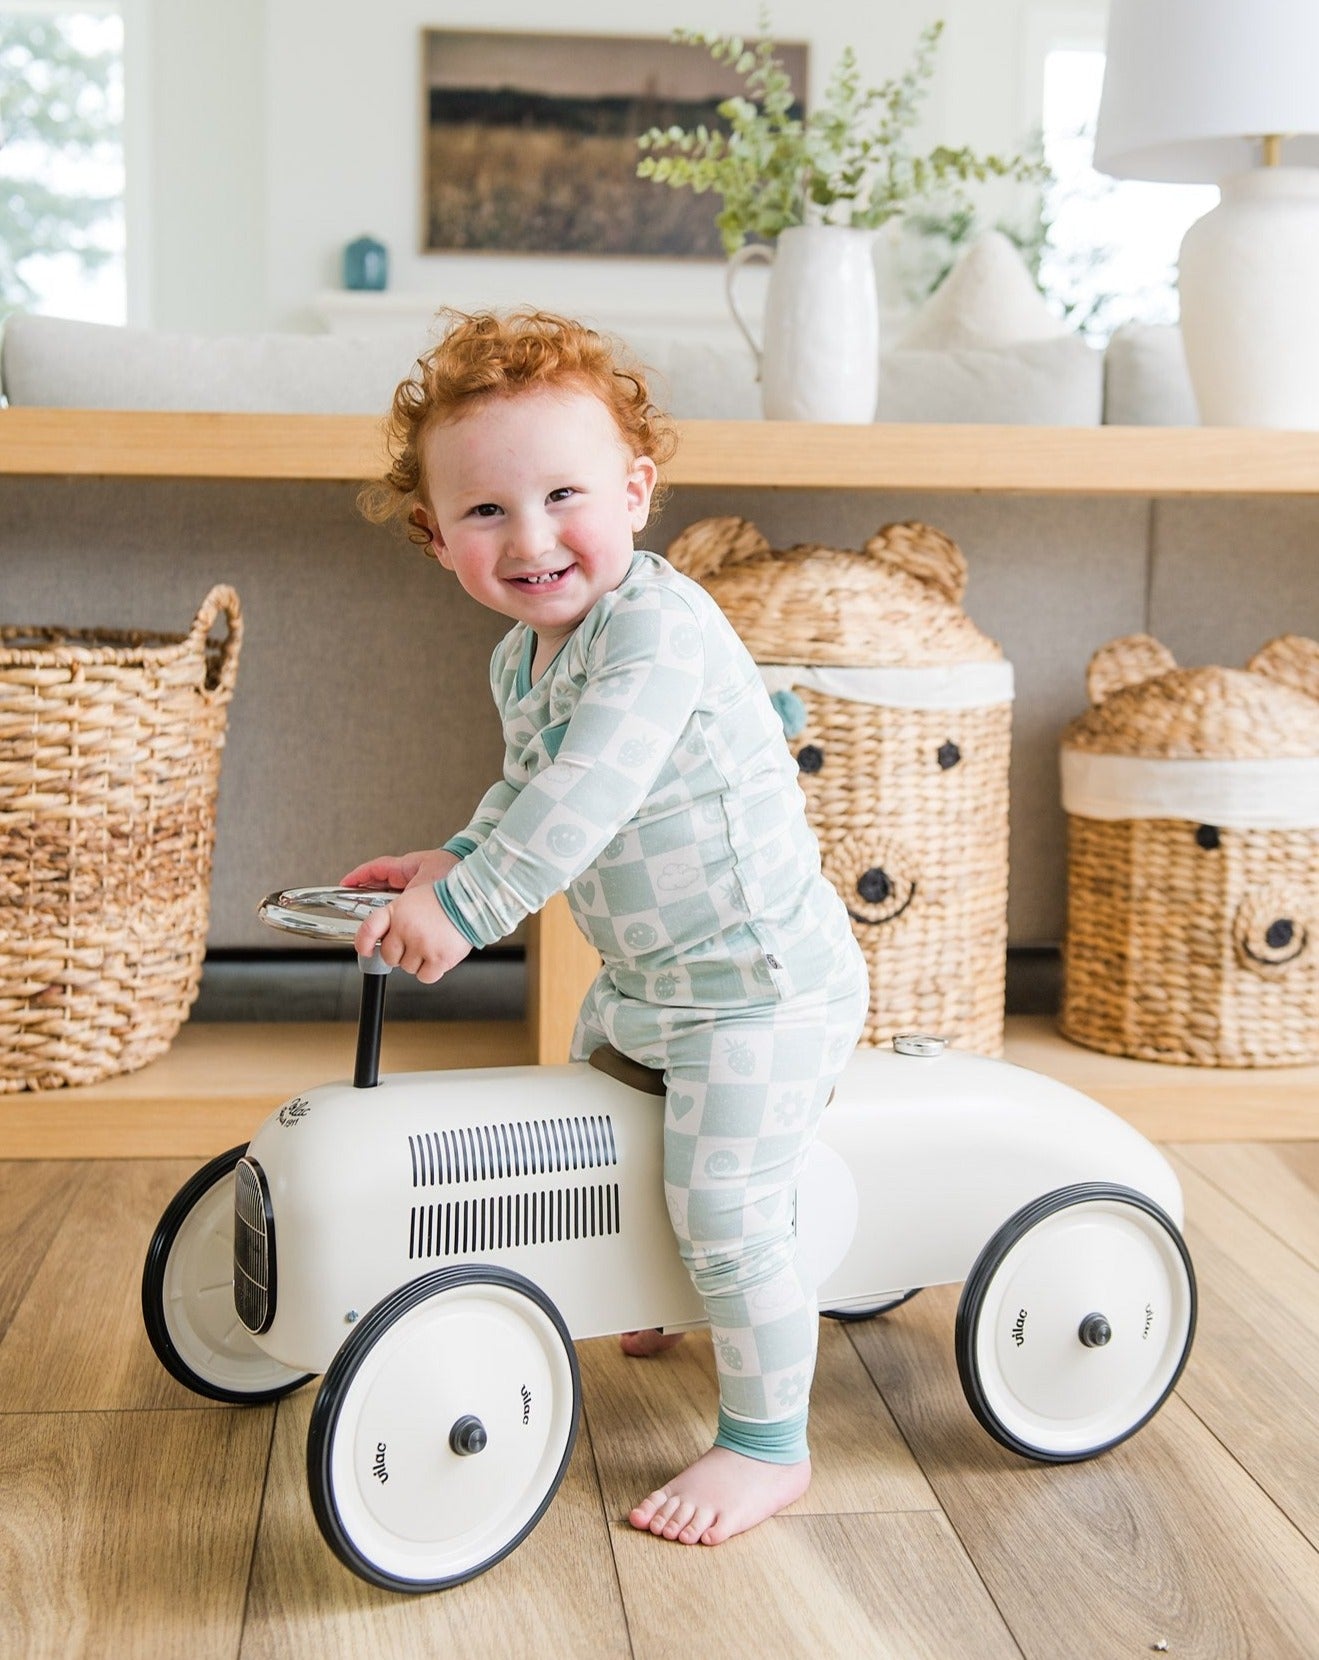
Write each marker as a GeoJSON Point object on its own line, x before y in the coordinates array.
{"type": "Point", "coordinates": [722, 1494]}
{"type": "Point", "coordinates": [642, 1344]}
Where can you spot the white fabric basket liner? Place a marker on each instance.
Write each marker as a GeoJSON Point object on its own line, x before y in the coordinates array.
{"type": "Point", "coordinates": [946, 686]}
{"type": "Point", "coordinates": [1278, 794]}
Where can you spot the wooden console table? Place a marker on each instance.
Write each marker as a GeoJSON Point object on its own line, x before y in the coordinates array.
{"type": "Point", "coordinates": [1046, 461]}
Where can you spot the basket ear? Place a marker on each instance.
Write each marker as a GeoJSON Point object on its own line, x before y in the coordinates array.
{"type": "Point", "coordinates": [1128, 661]}
{"type": "Point", "coordinates": [709, 544]}
{"type": "Point", "coordinates": [922, 552]}
{"type": "Point", "coordinates": [1292, 660]}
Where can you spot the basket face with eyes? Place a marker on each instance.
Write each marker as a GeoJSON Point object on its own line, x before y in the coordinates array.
{"type": "Point", "coordinates": [1193, 943]}
{"type": "Point", "coordinates": [910, 807]}
{"type": "Point", "coordinates": [1192, 802]}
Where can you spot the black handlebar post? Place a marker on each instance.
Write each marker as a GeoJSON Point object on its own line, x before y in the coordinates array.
{"type": "Point", "coordinates": [370, 1020]}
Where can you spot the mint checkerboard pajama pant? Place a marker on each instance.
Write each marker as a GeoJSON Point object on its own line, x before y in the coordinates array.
{"type": "Point", "coordinates": [745, 1090]}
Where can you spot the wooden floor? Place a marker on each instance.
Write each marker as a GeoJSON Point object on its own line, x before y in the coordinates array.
{"type": "Point", "coordinates": [138, 1520]}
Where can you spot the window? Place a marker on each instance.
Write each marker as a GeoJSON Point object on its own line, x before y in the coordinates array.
{"type": "Point", "coordinates": [1110, 253]}
{"type": "Point", "coordinates": [62, 159]}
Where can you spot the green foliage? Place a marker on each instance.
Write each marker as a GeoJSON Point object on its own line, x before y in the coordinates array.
{"type": "Point", "coordinates": [57, 96]}
{"type": "Point", "coordinates": [849, 162]}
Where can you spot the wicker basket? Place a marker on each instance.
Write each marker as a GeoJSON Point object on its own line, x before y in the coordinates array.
{"type": "Point", "coordinates": [109, 761]}
{"type": "Point", "coordinates": [1192, 798]}
{"type": "Point", "coordinates": [898, 711]}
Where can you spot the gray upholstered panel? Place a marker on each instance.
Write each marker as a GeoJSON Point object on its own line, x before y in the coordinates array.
{"type": "Point", "coordinates": [1228, 575]}
{"type": "Point", "coordinates": [362, 721]}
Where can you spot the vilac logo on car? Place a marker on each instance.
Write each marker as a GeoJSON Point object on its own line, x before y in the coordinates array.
{"type": "Point", "coordinates": [292, 1111]}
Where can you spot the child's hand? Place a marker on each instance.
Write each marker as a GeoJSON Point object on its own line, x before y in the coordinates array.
{"type": "Point", "coordinates": [406, 870]}
{"type": "Point", "coordinates": [413, 934]}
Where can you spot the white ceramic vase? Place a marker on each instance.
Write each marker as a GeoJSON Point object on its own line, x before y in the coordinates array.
{"type": "Point", "coordinates": [819, 359]}
{"type": "Point", "coordinates": [1248, 278]}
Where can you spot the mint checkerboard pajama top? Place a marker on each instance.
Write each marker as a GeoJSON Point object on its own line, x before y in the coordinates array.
{"type": "Point", "coordinates": [645, 772]}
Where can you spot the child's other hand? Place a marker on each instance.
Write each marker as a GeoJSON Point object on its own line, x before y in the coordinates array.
{"type": "Point", "coordinates": [413, 934]}
{"type": "Point", "coordinates": [404, 870]}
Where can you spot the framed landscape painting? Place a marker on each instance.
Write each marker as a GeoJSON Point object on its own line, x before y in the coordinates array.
{"type": "Point", "coordinates": [530, 142]}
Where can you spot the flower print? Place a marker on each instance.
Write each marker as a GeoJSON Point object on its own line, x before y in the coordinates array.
{"type": "Point", "coordinates": [790, 1390]}
{"type": "Point", "coordinates": [788, 1109]}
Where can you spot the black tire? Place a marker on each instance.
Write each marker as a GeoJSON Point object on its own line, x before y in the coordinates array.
{"type": "Point", "coordinates": [368, 1378]}
{"type": "Point", "coordinates": [1164, 1302]}
{"type": "Point", "coordinates": [174, 1324]}
{"type": "Point", "coordinates": [854, 1316]}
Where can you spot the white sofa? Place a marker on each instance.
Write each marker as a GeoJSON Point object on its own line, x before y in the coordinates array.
{"type": "Point", "coordinates": [1140, 380]}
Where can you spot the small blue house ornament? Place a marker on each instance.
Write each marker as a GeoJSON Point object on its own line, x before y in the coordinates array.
{"type": "Point", "coordinates": [366, 264]}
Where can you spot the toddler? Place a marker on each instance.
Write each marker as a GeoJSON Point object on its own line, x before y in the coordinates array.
{"type": "Point", "coordinates": [644, 772]}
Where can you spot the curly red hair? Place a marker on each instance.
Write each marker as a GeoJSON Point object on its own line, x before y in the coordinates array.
{"type": "Point", "coordinates": [488, 355]}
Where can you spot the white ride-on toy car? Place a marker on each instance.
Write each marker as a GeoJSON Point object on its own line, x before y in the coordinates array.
{"type": "Point", "coordinates": [435, 1243]}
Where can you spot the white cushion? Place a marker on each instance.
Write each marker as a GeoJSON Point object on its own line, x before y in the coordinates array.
{"type": "Point", "coordinates": [1146, 381]}
{"type": "Point", "coordinates": [1052, 382]}
{"type": "Point", "coordinates": [55, 362]}
{"type": "Point", "coordinates": [1038, 383]}
{"type": "Point", "coordinates": [987, 299]}
{"type": "Point", "coordinates": [698, 382]}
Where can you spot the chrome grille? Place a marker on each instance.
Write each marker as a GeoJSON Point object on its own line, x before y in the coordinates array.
{"type": "Point", "coordinates": [527, 1147]}
{"type": "Point", "coordinates": [507, 1221]}
{"type": "Point", "coordinates": [254, 1248]}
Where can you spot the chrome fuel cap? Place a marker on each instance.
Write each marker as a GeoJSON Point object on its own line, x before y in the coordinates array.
{"type": "Point", "coordinates": [919, 1043]}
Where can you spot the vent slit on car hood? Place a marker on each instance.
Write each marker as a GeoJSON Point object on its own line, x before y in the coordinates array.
{"type": "Point", "coordinates": [510, 1221]}
{"type": "Point", "coordinates": [528, 1147]}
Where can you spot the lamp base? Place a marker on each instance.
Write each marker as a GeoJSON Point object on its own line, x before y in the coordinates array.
{"type": "Point", "coordinates": [1249, 276]}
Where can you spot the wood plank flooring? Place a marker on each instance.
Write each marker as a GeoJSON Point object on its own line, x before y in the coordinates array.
{"type": "Point", "coordinates": [139, 1520]}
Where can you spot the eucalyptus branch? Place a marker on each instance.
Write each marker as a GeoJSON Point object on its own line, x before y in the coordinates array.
{"type": "Point", "coordinates": [850, 162]}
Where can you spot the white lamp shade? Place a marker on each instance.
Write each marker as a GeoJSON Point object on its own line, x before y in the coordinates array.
{"type": "Point", "coordinates": [1190, 86]}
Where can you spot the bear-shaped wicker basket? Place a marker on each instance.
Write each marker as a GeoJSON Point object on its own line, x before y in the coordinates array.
{"type": "Point", "coordinates": [898, 711]}
{"type": "Point", "coordinates": [1192, 800]}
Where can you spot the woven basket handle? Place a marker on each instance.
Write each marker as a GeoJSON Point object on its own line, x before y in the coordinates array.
{"type": "Point", "coordinates": [221, 598]}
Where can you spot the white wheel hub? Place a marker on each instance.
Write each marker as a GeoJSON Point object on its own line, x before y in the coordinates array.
{"type": "Point", "coordinates": [1082, 1326]}
{"type": "Point", "coordinates": [451, 1432]}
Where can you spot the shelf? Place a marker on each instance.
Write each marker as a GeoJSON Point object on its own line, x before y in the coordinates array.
{"type": "Point", "coordinates": [218, 1081]}
{"type": "Point", "coordinates": [1134, 461]}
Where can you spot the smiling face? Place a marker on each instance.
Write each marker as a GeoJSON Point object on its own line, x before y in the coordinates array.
{"type": "Point", "coordinates": [532, 501]}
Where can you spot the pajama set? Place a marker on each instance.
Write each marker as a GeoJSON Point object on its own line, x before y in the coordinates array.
{"type": "Point", "coordinates": [645, 772]}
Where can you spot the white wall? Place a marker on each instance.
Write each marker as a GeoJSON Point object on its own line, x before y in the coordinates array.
{"type": "Point", "coordinates": [197, 163]}
{"type": "Point", "coordinates": [278, 132]}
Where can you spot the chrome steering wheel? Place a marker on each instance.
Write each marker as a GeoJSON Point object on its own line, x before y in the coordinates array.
{"type": "Point", "coordinates": [330, 914]}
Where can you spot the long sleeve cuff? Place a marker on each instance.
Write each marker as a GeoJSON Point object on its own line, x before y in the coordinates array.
{"type": "Point", "coordinates": [452, 912]}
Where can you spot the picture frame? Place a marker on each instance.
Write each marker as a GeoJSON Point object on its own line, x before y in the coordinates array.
{"type": "Point", "coordinates": [530, 142]}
